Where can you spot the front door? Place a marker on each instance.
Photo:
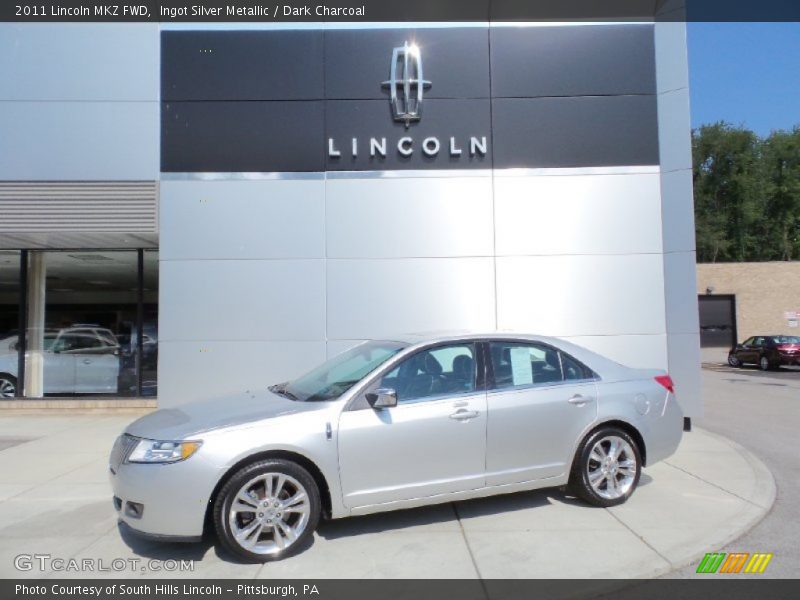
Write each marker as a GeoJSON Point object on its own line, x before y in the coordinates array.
{"type": "Point", "coordinates": [433, 442]}
{"type": "Point", "coordinates": [96, 364]}
{"type": "Point", "coordinates": [540, 401]}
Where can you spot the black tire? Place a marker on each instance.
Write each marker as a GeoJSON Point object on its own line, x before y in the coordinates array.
{"type": "Point", "coordinates": [734, 361]}
{"type": "Point", "coordinates": [227, 494]}
{"type": "Point", "coordinates": [8, 386]}
{"type": "Point", "coordinates": [765, 364]}
{"type": "Point", "coordinates": [579, 483]}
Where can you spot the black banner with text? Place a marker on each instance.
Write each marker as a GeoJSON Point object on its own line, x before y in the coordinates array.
{"type": "Point", "coordinates": [408, 10]}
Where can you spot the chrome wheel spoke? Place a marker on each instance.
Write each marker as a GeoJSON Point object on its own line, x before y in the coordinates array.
{"type": "Point", "coordinates": [613, 447]}
{"type": "Point", "coordinates": [296, 503]}
{"type": "Point", "coordinates": [596, 478]}
{"type": "Point", "coordinates": [277, 537]}
{"type": "Point", "coordinates": [598, 454]}
{"type": "Point", "coordinates": [245, 535]}
{"type": "Point", "coordinates": [287, 530]}
{"type": "Point", "coordinates": [244, 503]}
{"type": "Point", "coordinates": [6, 389]}
{"type": "Point", "coordinates": [611, 467]}
{"type": "Point", "coordinates": [251, 515]}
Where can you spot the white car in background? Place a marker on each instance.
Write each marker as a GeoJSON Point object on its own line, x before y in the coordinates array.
{"type": "Point", "coordinates": [77, 360]}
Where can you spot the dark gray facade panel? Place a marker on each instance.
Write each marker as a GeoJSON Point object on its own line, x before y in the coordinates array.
{"type": "Point", "coordinates": [443, 119]}
{"type": "Point", "coordinates": [587, 60]}
{"type": "Point", "coordinates": [591, 131]}
{"type": "Point", "coordinates": [455, 61]}
{"type": "Point", "coordinates": [242, 65]}
{"type": "Point", "coordinates": [242, 136]}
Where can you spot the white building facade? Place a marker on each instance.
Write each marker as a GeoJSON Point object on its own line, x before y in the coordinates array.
{"type": "Point", "coordinates": [541, 182]}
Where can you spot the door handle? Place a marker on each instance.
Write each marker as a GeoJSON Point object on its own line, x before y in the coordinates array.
{"type": "Point", "coordinates": [579, 400]}
{"type": "Point", "coordinates": [86, 361]}
{"type": "Point", "coordinates": [464, 415]}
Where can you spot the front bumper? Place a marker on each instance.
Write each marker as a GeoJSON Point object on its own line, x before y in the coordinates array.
{"type": "Point", "coordinates": [172, 498]}
{"type": "Point", "coordinates": [789, 359]}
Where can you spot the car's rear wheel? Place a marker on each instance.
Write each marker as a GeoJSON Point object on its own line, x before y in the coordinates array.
{"type": "Point", "coordinates": [734, 361]}
{"type": "Point", "coordinates": [765, 364]}
{"type": "Point", "coordinates": [8, 386]}
{"type": "Point", "coordinates": [606, 468]}
{"type": "Point", "coordinates": [267, 511]}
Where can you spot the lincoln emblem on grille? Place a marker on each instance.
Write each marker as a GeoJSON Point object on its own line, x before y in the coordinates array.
{"type": "Point", "coordinates": [406, 83]}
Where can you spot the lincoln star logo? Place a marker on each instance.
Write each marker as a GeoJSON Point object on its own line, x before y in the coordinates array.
{"type": "Point", "coordinates": [406, 84]}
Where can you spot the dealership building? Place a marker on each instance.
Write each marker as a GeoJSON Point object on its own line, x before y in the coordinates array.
{"type": "Point", "coordinates": [194, 211]}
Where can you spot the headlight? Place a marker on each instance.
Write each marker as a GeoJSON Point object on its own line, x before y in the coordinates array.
{"type": "Point", "coordinates": [157, 451]}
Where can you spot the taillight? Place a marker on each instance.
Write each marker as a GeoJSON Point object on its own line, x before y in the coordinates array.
{"type": "Point", "coordinates": [666, 381]}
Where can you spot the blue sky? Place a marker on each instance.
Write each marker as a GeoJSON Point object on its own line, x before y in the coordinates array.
{"type": "Point", "coordinates": [746, 74]}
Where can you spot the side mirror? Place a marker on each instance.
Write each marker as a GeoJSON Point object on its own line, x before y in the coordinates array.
{"type": "Point", "coordinates": [382, 398]}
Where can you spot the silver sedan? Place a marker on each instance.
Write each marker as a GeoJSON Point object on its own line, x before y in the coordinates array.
{"type": "Point", "coordinates": [389, 425]}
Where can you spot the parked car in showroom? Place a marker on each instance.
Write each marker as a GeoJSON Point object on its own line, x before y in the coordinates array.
{"type": "Point", "coordinates": [389, 425]}
{"type": "Point", "coordinates": [767, 351]}
{"type": "Point", "coordinates": [77, 360]}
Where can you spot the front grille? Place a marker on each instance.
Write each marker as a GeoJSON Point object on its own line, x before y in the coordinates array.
{"type": "Point", "coordinates": [122, 448]}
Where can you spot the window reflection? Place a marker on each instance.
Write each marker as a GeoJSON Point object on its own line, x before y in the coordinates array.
{"type": "Point", "coordinates": [85, 312]}
{"type": "Point", "coordinates": [9, 321]}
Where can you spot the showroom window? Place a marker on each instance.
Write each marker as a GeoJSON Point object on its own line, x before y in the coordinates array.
{"type": "Point", "coordinates": [90, 323]}
{"type": "Point", "coordinates": [9, 321]}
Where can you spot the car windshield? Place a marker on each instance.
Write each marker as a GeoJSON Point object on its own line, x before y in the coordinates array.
{"type": "Point", "coordinates": [787, 339]}
{"type": "Point", "coordinates": [334, 377]}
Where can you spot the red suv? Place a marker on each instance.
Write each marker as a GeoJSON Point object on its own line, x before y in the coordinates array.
{"type": "Point", "coordinates": [767, 351]}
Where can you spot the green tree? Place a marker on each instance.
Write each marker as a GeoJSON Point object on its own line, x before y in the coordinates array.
{"type": "Point", "coordinates": [781, 219]}
{"type": "Point", "coordinates": [728, 192]}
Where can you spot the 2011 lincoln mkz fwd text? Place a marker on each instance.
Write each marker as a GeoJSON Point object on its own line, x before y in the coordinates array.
{"type": "Point", "coordinates": [393, 424]}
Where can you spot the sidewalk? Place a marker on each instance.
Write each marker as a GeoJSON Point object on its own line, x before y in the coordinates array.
{"type": "Point", "coordinates": [55, 498]}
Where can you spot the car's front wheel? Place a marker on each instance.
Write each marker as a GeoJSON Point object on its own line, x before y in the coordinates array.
{"type": "Point", "coordinates": [8, 386]}
{"type": "Point", "coordinates": [606, 468]}
{"type": "Point", "coordinates": [734, 361]}
{"type": "Point", "coordinates": [267, 511]}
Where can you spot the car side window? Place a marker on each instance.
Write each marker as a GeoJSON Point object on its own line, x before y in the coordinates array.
{"type": "Point", "coordinates": [748, 341]}
{"type": "Point", "coordinates": [759, 341]}
{"type": "Point", "coordinates": [520, 364]}
{"type": "Point", "coordinates": [76, 343]}
{"type": "Point", "coordinates": [440, 371]}
{"type": "Point", "coordinates": [573, 370]}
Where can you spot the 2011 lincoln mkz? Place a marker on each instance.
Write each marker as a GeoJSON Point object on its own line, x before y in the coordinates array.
{"type": "Point", "coordinates": [393, 424]}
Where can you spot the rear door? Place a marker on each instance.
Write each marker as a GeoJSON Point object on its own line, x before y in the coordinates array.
{"type": "Point", "coordinates": [539, 400]}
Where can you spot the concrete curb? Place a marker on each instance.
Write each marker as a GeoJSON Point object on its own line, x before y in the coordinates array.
{"type": "Point", "coordinates": [763, 504]}
{"type": "Point", "coordinates": [760, 503]}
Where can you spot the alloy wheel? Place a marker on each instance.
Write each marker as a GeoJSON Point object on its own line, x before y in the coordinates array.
{"type": "Point", "coordinates": [8, 388]}
{"type": "Point", "coordinates": [733, 360]}
{"type": "Point", "coordinates": [612, 467]}
{"type": "Point", "coordinates": [269, 513]}
{"type": "Point", "coordinates": [764, 363]}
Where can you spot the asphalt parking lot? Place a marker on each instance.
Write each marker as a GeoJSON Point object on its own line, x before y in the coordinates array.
{"type": "Point", "coordinates": [761, 411]}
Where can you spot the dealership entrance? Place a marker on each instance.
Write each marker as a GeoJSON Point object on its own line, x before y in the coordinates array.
{"type": "Point", "coordinates": [78, 322]}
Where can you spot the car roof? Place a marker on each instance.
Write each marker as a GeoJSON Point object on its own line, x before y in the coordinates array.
{"type": "Point", "coordinates": [455, 335]}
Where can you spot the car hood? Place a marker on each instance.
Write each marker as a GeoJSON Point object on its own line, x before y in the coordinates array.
{"type": "Point", "coordinates": [197, 417]}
